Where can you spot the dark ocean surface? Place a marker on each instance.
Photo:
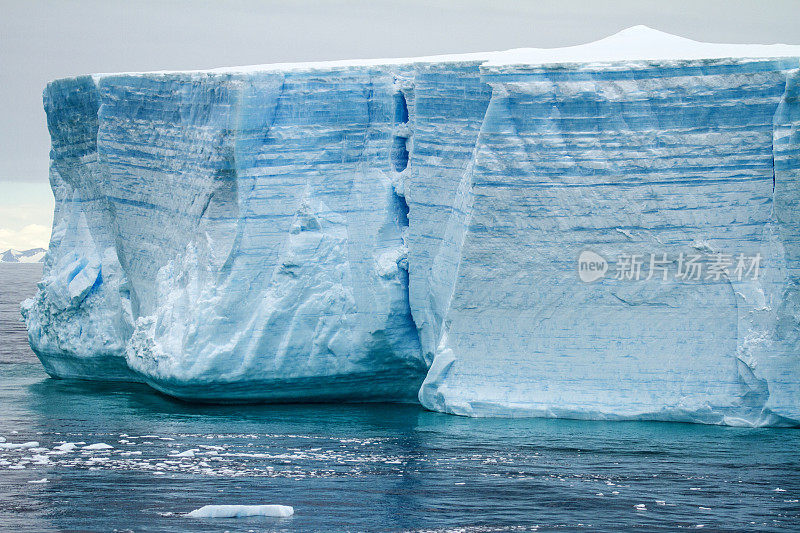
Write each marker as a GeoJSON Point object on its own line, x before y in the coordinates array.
{"type": "Point", "coordinates": [360, 467]}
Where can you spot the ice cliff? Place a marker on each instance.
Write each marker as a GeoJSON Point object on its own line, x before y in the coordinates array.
{"type": "Point", "coordinates": [387, 229]}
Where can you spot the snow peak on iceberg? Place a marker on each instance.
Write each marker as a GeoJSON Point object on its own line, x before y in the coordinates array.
{"type": "Point", "coordinates": [392, 229]}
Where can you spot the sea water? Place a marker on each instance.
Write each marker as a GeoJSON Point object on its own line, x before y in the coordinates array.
{"type": "Point", "coordinates": [369, 467]}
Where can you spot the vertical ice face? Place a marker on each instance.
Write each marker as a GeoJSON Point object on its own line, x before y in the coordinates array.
{"type": "Point", "coordinates": [293, 282]}
{"type": "Point", "coordinates": [337, 231]}
{"type": "Point", "coordinates": [652, 158]}
{"type": "Point", "coordinates": [259, 228]}
{"type": "Point", "coordinates": [166, 145]}
{"type": "Point", "coordinates": [775, 337]}
{"type": "Point", "coordinates": [80, 319]}
{"type": "Point", "coordinates": [450, 102]}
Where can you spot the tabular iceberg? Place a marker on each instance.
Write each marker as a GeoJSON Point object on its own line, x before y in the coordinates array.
{"type": "Point", "coordinates": [378, 230]}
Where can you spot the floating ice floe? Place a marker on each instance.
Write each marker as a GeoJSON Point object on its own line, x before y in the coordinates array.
{"type": "Point", "coordinates": [240, 511]}
{"type": "Point", "coordinates": [98, 446]}
{"type": "Point", "coordinates": [187, 453]}
{"type": "Point", "coordinates": [18, 446]}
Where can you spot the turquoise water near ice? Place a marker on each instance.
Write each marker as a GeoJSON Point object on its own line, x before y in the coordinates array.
{"type": "Point", "coordinates": [362, 467]}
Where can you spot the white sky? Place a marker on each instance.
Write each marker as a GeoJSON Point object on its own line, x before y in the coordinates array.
{"type": "Point", "coordinates": [41, 40]}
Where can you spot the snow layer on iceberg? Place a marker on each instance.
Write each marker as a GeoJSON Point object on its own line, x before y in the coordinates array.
{"type": "Point", "coordinates": [332, 230]}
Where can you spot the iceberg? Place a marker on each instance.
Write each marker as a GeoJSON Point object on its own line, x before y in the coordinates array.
{"type": "Point", "coordinates": [605, 231]}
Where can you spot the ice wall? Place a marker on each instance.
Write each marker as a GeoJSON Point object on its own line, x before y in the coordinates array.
{"type": "Point", "coordinates": [295, 283]}
{"type": "Point", "coordinates": [663, 158]}
{"type": "Point", "coordinates": [261, 237]}
{"type": "Point", "coordinates": [80, 319]}
{"type": "Point", "coordinates": [337, 231]}
{"type": "Point", "coordinates": [449, 106]}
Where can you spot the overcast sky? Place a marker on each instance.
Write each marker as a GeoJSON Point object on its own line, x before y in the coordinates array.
{"type": "Point", "coordinates": [43, 40]}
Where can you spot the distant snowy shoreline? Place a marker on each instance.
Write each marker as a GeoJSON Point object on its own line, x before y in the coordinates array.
{"type": "Point", "coordinates": [34, 255]}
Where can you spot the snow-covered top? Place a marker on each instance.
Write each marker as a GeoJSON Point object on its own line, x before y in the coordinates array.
{"type": "Point", "coordinates": [640, 43]}
{"type": "Point", "coordinates": [326, 65]}
{"type": "Point", "coordinates": [476, 57]}
{"type": "Point", "coordinates": [637, 43]}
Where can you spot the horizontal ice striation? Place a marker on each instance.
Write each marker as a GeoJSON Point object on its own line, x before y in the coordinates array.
{"type": "Point", "coordinates": [295, 285]}
{"type": "Point", "coordinates": [449, 105]}
{"type": "Point", "coordinates": [260, 234]}
{"type": "Point", "coordinates": [623, 159]}
{"type": "Point", "coordinates": [80, 320]}
{"type": "Point", "coordinates": [330, 231]}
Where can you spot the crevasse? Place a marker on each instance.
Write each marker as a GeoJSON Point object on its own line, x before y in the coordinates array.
{"type": "Point", "coordinates": [392, 229]}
